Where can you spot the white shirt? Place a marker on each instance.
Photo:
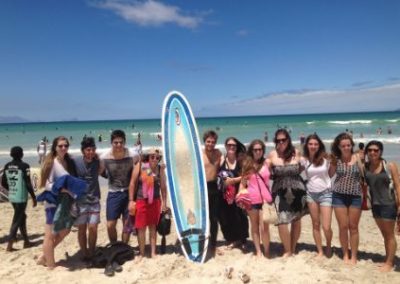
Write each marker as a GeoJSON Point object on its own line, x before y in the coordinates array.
{"type": "Point", "coordinates": [318, 177]}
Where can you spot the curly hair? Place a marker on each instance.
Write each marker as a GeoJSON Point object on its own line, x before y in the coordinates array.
{"type": "Point", "coordinates": [335, 150]}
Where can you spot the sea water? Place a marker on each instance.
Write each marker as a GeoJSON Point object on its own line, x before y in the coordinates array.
{"type": "Point", "coordinates": [364, 126]}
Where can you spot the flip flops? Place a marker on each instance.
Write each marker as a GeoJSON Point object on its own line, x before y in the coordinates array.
{"type": "Point", "coordinates": [244, 277]}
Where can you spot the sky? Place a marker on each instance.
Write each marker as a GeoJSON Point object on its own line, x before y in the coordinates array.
{"type": "Point", "coordinates": [113, 59]}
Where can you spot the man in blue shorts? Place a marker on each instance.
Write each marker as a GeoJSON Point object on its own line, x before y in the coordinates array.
{"type": "Point", "coordinates": [118, 163]}
{"type": "Point", "coordinates": [88, 168]}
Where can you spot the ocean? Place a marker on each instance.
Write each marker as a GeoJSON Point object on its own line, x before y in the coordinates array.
{"type": "Point", "coordinates": [364, 126]}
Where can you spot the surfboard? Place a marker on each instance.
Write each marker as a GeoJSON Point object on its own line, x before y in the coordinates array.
{"type": "Point", "coordinates": [186, 180]}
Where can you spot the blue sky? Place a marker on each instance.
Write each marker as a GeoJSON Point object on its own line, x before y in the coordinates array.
{"type": "Point", "coordinates": [112, 59]}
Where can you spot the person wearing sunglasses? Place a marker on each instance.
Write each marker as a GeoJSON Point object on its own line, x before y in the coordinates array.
{"type": "Point", "coordinates": [233, 220]}
{"type": "Point", "coordinates": [147, 197]}
{"type": "Point", "coordinates": [255, 177]}
{"type": "Point", "coordinates": [346, 196]}
{"type": "Point", "coordinates": [118, 164]}
{"type": "Point", "coordinates": [288, 190]}
{"type": "Point", "coordinates": [57, 163]}
{"type": "Point", "coordinates": [383, 181]}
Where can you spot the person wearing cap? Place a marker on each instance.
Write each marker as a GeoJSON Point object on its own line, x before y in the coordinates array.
{"type": "Point", "coordinates": [16, 179]}
{"type": "Point", "coordinates": [147, 197]}
{"type": "Point", "coordinates": [88, 168]}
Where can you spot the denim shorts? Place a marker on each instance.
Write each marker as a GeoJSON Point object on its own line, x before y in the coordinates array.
{"type": "Point", "coordinates": [50, 212]}
{"type": "Point", "coordinates": [386, 212]}
{"type": "Point", "coordinates": [257, 206]}
{"type": "Point", "coordinates": [346, 200]}
{"type": "Point", "coordinates": [323, 198]}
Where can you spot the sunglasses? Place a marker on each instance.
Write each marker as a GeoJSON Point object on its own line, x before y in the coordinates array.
{"type": "Point", "coordinates": [373, 150]}
{"type": "Point", "coordinates": [231, 145]}
{"type": "Point", "coordinates": [63, 146]}
{"type": "Point", "coordinates": [154, 157]}
{"type": "Point", "coordinates": [280, 141]}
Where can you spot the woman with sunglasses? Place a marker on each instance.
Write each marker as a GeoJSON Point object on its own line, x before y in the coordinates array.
{"type": "Point", "coordinates": [255, 177]}
{"type": "Point", "coordinates": [233, 220]}
{"type": "Point", "coordinates": [319, 192]}
{"type": "Point", "coordinates": [147, 195]}
{"type": "Point", "coordinates": [346, 196]}
{"type": "Point", "coordinates": [288, 190]}
{"type": "Point", "coordinates": [56, 164]}
{"type": "Point", "coordinates": [383, 181]}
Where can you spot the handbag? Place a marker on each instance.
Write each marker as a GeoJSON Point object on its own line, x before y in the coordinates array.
{"type": "Point", "coordinates": [365, 195]}
{"type": "Point", "coordinates": [243, 200]}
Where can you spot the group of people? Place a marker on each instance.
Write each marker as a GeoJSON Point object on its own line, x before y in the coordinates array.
{"type": "Point", "coordinates": [296, 182]}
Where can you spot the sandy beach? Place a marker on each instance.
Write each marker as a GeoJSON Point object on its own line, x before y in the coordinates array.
{"type": "Point", "coordinates": [20, 266]}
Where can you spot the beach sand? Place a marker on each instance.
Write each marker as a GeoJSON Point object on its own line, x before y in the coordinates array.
{"type": "Point", "coordinates": [20, 266]}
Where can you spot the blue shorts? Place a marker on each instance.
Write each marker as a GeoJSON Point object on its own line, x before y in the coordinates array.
{"type": "Point", "coordinates": [117, 205]}
{"type": "Point", "coordinates": [50, 212]}
{"type": "Point", "coordinates": [323, 198]}
{"type": "Point", "coordinates": [346, 200]}
{"type": "Point", "coordinates": [88, 214]}
{"type": "Point", "coordinates": [386, 212]}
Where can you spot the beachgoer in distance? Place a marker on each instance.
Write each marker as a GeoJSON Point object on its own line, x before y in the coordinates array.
{"type": "Point", "coordinates": [319, 191]}
{"type": "Point", "coordinates": [288, 190]}
{"type": "Point", "coordinates": [346, 197]}
{"type": "Point", "coordinates": [255, 177]}
{"type": "Point", "coordinates": [56, 164]}
{"type": "Point", "coordinates": [212, 160]}
{"type": "Point", "coordinates": [266, 136]}
{"type": "Point", "coordinates": [148, 197]}
{"type": "Point", "coordinates": [383, 181]}
{"type": "Point", "coordinates": [232, 219]}
{"type": "Point", "coordinates": [41, 150]}
{"type": "Point", "coordinates": [16, 179]}
{"type": "Point", "coordinates": [118, 163]}
{"type": "Point", "coordinates": [88, 168]}
{"type": "Point", "coordinates": [302, 138]}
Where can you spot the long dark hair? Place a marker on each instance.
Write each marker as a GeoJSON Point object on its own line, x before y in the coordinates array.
{"type": "Point", "coordinates": [335, 145]}
{"type": "Point", "coordinates": [290, 151]}
{"type": "Point", "coordinates": [375, 143]}
{"type": "Point", "coordinates": [49, 161]}
{"type": "Point", "coordinates": [321, 153]}
{"type": "Point", "coordinates": [248, 165]}
{"type": "Point", "coordinates": [240, 148]}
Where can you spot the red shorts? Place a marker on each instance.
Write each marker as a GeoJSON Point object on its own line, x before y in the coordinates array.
{"type": "Point", "coordinates": [147, 214]}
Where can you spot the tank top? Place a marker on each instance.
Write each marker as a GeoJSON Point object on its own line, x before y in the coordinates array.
{"type": "Point", "coordinates": [256, 184]}
{"type": "Point", "coordinates": [347, 179]}
{"type": "Point", "coordinates": [318, 179]}
{"type": "Point", "coordinates": [380, 187]}
{"type": "Point", "coordinates": [146, 175]}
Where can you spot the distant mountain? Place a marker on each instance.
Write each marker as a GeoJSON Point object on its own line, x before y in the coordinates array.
{"type": "Point", "coordinates": [12, 119]}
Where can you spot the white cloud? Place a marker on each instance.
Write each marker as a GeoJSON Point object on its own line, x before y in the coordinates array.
{"type": "Point", "coordinates": [151, 13]}
{"type": "Point", "coordinates": [382, 98]}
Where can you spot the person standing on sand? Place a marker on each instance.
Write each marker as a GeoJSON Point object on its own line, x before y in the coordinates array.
{"type": "Point", "coordinates": [57, 163]}
{"type": "Point", "coordinates": [319, 191]}
{"type": "Point", "coordinates": [118, 163]}
{"type": "Point", "coordinates": [346, 197]}
{"type": "Point", "coordinates": [212, 161]}
{"type": "Point", "coordinates": [384, 187]}
{"type": "Point", "coordinates": [288, 190]}
{"type": "Point", "coordinates": [88, 168]}
{"type": "Point", "coordinates": [16, 179]}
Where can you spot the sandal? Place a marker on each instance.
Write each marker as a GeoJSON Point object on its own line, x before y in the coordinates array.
{"type": "Point", "coordinates": [244, 277]}
{"type": "Point", "coordinates": [228, 272]}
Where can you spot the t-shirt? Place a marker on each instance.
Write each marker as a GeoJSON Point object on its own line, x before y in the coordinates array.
{"type": "Point", "coordinates": [89, 172]}
{"type": "Point", "coordinates": [119, 171]}
{"type": "Point", "coordinates": [16, 179]}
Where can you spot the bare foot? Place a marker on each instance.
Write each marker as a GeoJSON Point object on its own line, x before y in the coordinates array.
{"type": "Point", "coordinates": [41, 260]}
{"type": "Point", "coordinates": [386, 268]}
{"type": "Point", "coordinates": [287, 254]}
{"type": "Point", "coordinates": [138, 259]}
